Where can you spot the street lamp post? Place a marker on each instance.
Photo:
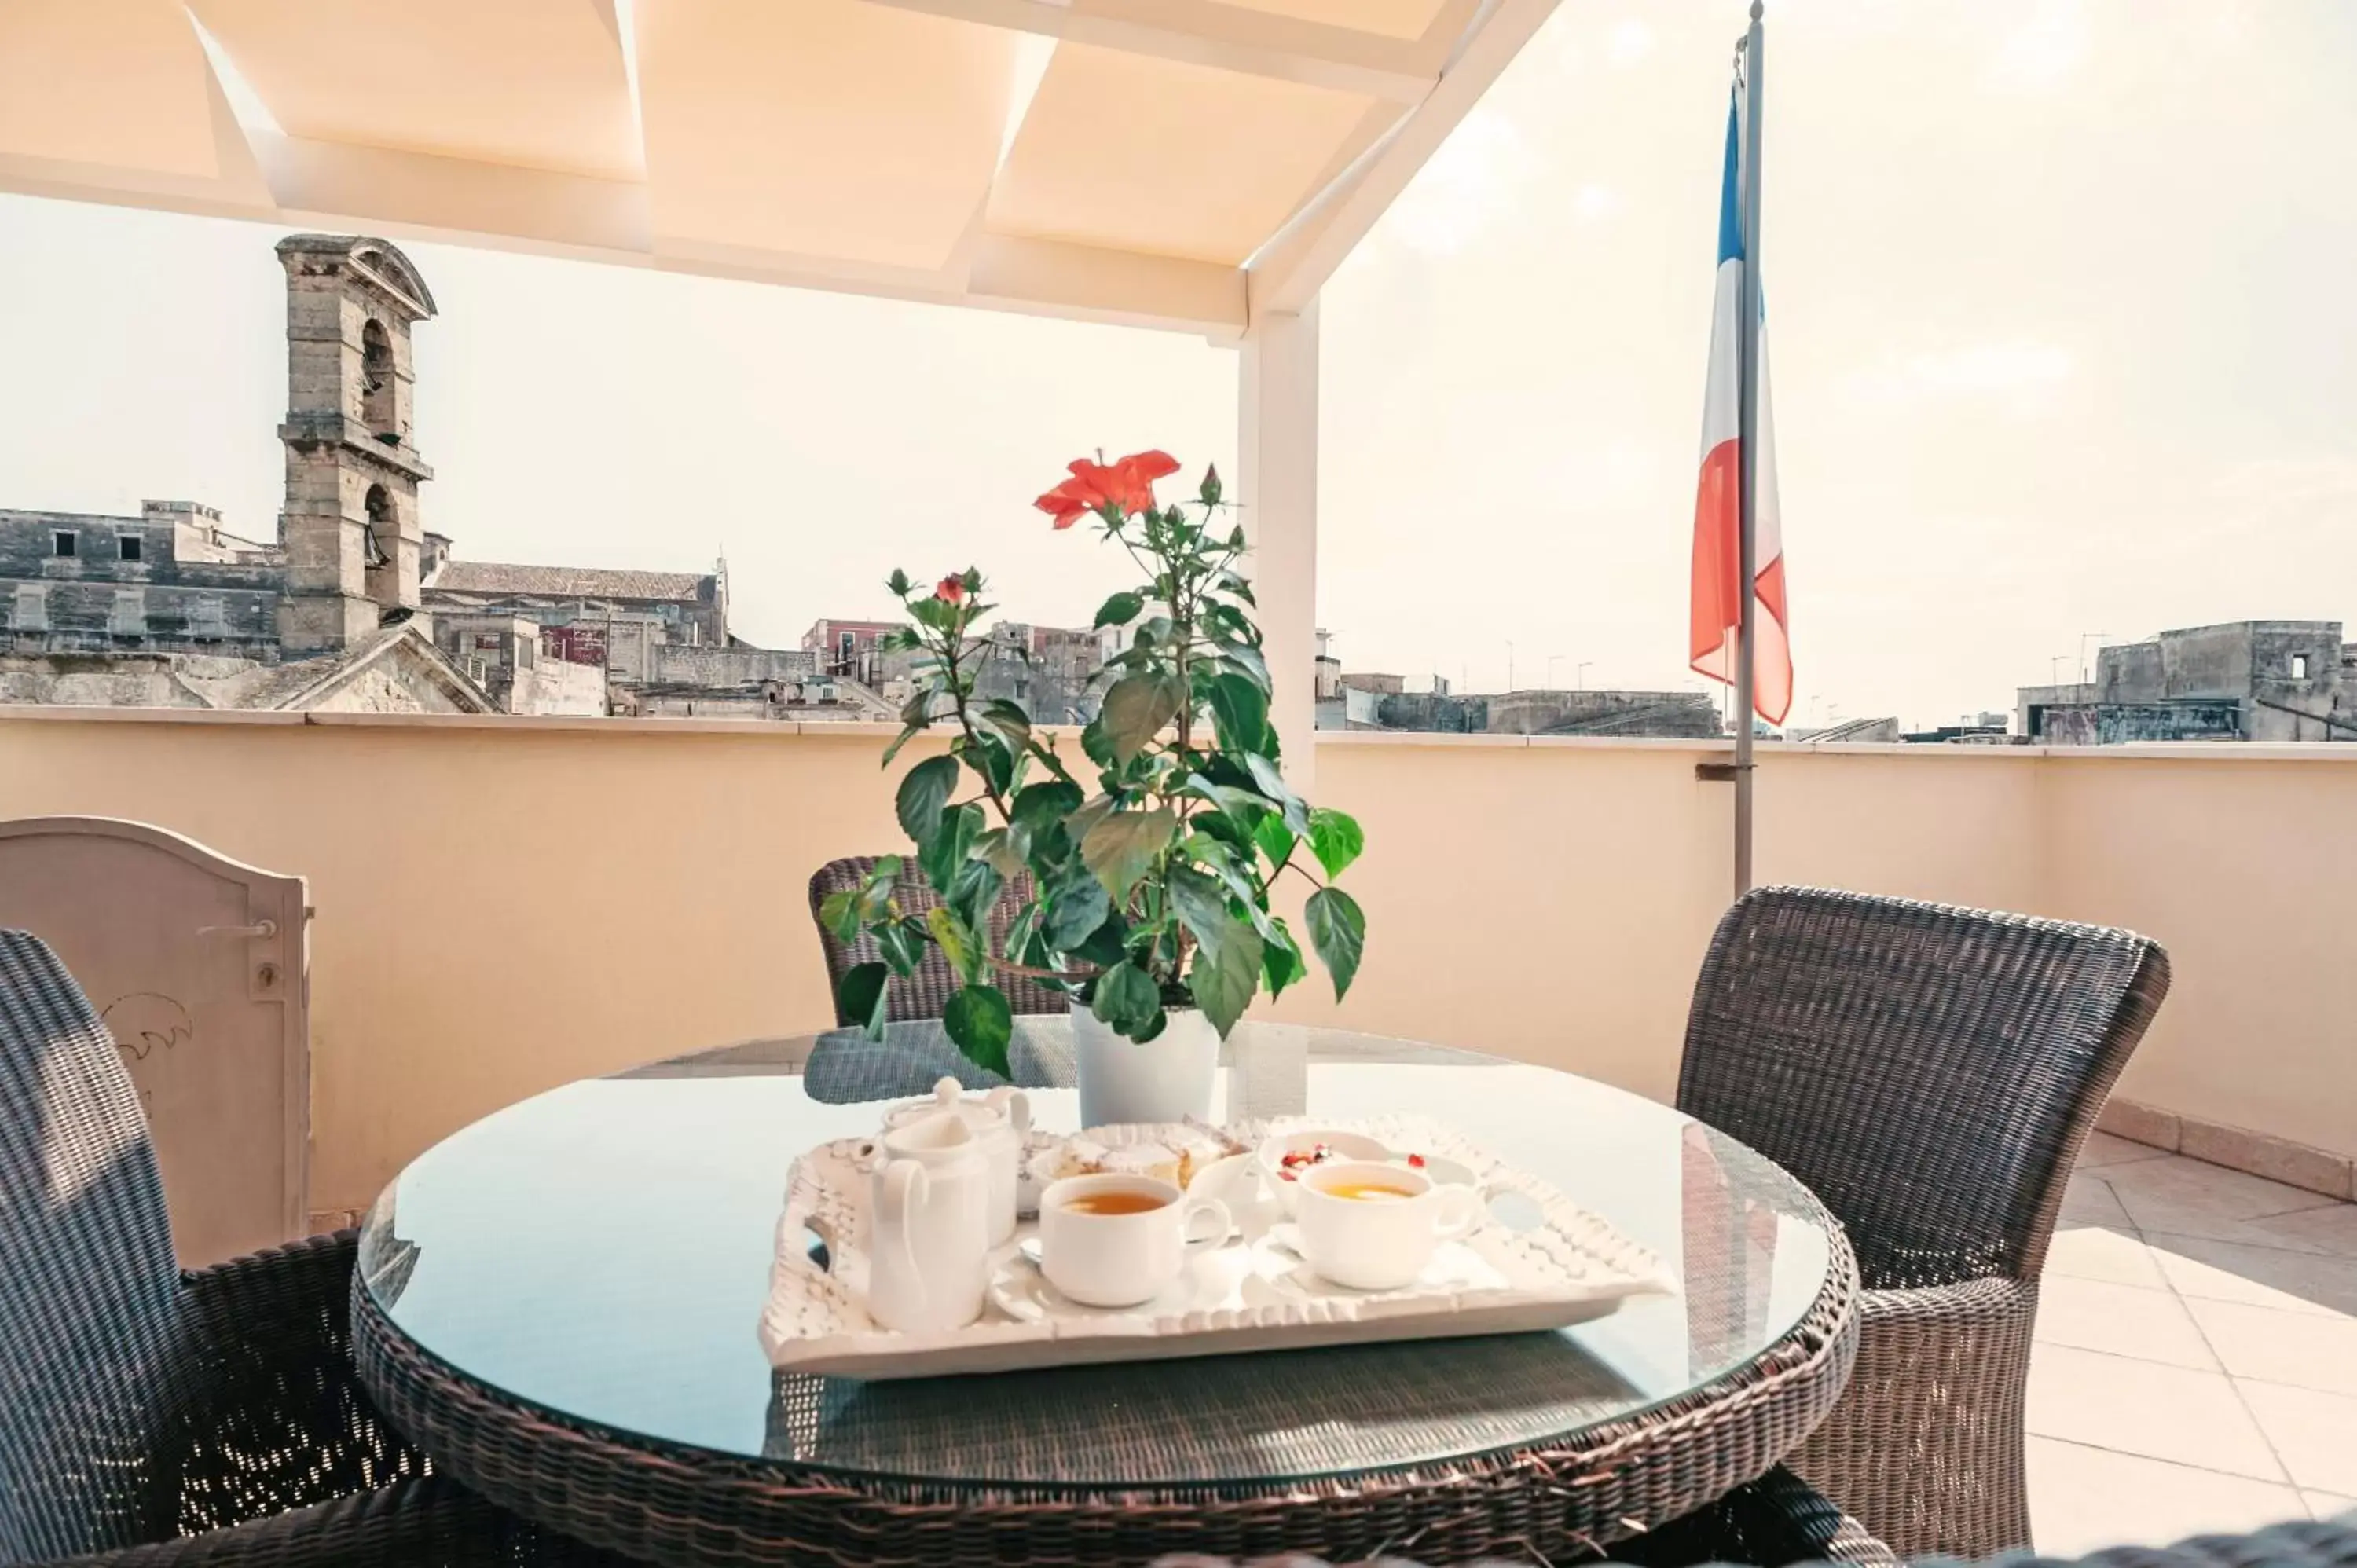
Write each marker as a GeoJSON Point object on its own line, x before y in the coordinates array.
{"type": "Point", "coordinates": [1579, 674]}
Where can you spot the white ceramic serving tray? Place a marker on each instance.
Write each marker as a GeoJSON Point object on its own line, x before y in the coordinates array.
{"type": "Point", "coordinates": [1541, 1262]}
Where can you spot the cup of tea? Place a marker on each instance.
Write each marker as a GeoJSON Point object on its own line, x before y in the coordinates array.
{"type": "Point", "coordinates": [1119, 1241]}
{"type": "Point", "coordinates": [1373, 1226]}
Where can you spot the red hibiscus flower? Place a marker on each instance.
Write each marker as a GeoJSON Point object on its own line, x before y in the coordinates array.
{"type": "Point", "coordinates": [951, 589]}
{"type": "Point", "coordinates": [1126, 487]}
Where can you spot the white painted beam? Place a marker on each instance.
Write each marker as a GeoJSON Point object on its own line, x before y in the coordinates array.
{"type": "Point", "coordinates": [1276, 494]}
{"type": "Point", "coordinates": [1227, 37]}
{"type": "Point", "coordinates": [1287, 272]}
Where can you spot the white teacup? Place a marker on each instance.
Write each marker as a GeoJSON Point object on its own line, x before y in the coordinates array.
{"type": "Point", "coordinates": [1372, 1226]}
{"type": "Point", "coordinates": [1118, 1240]}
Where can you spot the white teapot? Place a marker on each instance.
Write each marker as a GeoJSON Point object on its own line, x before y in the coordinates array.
{"type": "Point", "coordinates": [998, 1121]}
{"type": "Point", "coordinates": [928, 1246]}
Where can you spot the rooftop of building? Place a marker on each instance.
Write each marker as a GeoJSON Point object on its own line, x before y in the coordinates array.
{"type": "Point", "coordinates": [495, 578]}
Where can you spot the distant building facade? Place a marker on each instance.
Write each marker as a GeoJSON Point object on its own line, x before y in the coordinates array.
{"type": "Point", "coordinates": [170, 609]}
{"type": "Point", "coordinates": [2269, 681]}
{"type": "Point", "coordinates": [173, 608]}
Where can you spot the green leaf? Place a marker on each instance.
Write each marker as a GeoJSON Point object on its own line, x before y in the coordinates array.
{"type": "Point", "coordinates": [1337, 929]}
{"type": "Point", "coordinates": [955, 940]}
{"type": "Point", "coordinates": [1120, 609]}
{"type": "Point", "coordinates": [1107, 944]}
{"type": "Point", "coordinates": [1239, 712]}
{"type": "Point", "coordinates": [1239, 803]}
{"type": "Point", "coordinates": [839, 913]}
{"type": "Point", "coordinates": [979, 1021]}
{"type": "Point", "coordinates": [1136, 709]}
{"type": "Point", "coordinates": [900, 740]}
{"type": "Point", "coordinates": [1126, 999]}
{"type": "Point", "coordinates": [1249, 660]}
{"type": "Point", "coordinates": [1009, 721]}
{"type": "Point", "coordinates": [1226, 975]}
{"type": "Point", "coordinates": [1035, 819]}
{"type": "Point", "coordinates": [1281, 960]}
{"type": "Point", "coordinates": [996, 845]}
{"type": "Point", "coordinates": [901, 948]}
{"type": "Point", "coordinates": [1275, 838]}
{"type": "Point", "coordinates": [1121, 847]}
{"type": "Point", "coordinates": [1335, 839]}
{"type": "Point", "coordinates": [950, 847]}
{"type": "Point", "coordinates": [1231, 583]}
{"type": "Point", "coordinates": [861, 996]}
{"type": "Point", "coordinates": [922, 795]}
{"type": "Point", "coordinates": [1077, 905]}
{"type": "Point", "coordinates": [1272, 785]}
{"type": "Point", "coordinates": [1200, 903]}
{"type": "Point", "coordinates": [973, 893]}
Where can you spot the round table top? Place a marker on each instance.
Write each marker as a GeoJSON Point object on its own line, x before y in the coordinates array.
{"type": "Point", "coordinates": [601, 1254]}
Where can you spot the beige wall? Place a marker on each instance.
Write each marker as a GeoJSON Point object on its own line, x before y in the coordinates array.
{"type": "Point", "coordinates": [508, 904]}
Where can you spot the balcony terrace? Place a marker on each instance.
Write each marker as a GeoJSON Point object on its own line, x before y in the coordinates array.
{"type": "Point", "coordinates": [505, 905]}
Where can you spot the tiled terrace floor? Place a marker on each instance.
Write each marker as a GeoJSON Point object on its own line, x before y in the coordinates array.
{"type": "Point", "coordinates": [2196, 1364]}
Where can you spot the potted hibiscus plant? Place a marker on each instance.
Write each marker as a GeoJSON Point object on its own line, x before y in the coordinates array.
{"type": "Point", "coordinates": [1152, 846]}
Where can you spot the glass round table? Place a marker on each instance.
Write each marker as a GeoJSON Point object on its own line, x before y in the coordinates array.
{"type": "Point", "coordinates": [559, 1305]}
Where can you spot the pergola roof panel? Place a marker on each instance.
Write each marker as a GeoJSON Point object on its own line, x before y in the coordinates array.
{"type": "Point", "coordinates": [1187, 164]}
{"type": "Point", "coordinates": [1164, 157]}
{"type": "Point", "coordinates": [121, 83]}
{"type": "Point", "coordinates": [820, 128]}
{"type": "Point", "coordinates": [532, 83]}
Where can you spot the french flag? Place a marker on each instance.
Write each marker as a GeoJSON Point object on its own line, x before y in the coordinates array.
{"type": "Point", "coordinates": [1717, 550]}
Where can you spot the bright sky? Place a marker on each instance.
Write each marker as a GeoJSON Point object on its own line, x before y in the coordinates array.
{"type": "Point", "coordinates": [2062, 304]}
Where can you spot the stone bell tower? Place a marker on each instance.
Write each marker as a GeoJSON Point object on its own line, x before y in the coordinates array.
{"type": "Point", "coordinates": [349, 526]}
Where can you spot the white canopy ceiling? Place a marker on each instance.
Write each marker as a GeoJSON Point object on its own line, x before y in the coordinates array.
{"type": "Point", "coordinates": [1177, 163]}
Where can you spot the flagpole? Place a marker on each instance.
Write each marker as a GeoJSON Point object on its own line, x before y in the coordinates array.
{"type": "Point", "coordinates": [1748, 455]}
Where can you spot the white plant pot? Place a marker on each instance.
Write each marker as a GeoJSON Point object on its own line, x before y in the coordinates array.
{"type": "Point", "coordinates": [1169, 1078]}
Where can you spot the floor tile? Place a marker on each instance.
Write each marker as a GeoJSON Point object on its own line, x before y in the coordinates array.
{"type": "Point", "coordinates": [2316, 1434]}
{"type": "Point", "coordinates": [2204, 1269]}
{"type": "Point", "coordinates": [2083, 1498]}
{"type": "Point", "coordinates": [2186, 1197]}
{"type": "Point", "coordinates": [2324, 1505]}
{"type": "Point", "coordinates": [2126, 1320]}
{"type": "Point", "coordinates": [2142, 1407]}
{"type": "Point", "coordinates": [2297, 1348]}
{"type": "Point", "coordinates": [2104, 1149]}
{"type": "Point", "coordinates": [2088, 1199]}
{"type": "Point", "coordinates": [2103, 1252]}
{"type": "Point", "coordinates": [2333, 1228]}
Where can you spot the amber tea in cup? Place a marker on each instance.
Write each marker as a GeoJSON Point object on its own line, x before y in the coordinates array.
{"type": "Point", "coordinates": [1368, 1191]}
{"type": "Point", "coordinates": [1114, 1202]}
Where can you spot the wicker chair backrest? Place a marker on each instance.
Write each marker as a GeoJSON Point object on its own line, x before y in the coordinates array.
{"type": "Point", "coordinates": [89, 1289]}
{"type": "Point", "coordinates": [1930, 1071]}
{"type": "Point", "coordinates": [926, 993]}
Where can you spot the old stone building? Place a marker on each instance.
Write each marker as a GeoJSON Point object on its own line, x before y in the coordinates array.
{"type": "Point", "coordinates": [355, 603]}
{"type": "Point", "coordinates": [171, 579]}
{"type": "Point", "coordinates": [172, 610]}
{"type": "Point", "coordinates": [2269, 681]}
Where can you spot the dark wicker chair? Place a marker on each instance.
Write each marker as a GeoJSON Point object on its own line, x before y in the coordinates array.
{"type": "Point", "coordinates": [2330, 1543]}
{"type": "Point", "coordinates": [153, 1417]}
{"type": "Point", "coordinates": [1930, 1073]}
{"type": "Point", "coordinates": [1776, 1520]}
{"type": "Point", "coordinates": [924, 993]}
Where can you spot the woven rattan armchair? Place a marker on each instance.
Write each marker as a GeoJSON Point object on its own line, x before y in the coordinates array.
{"type": "Point", "coordinates": [153, 1417]}
{"type": "Point", "coordinates": [1932, 1073]}
{"type": "Point", "coordinates": [926, 993]}
{"type": "Point", "coordinates": [1776, 1520]}
{"type": "Point", "coordinates": [2330, 1543]}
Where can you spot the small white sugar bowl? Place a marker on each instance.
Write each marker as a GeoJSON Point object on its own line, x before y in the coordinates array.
{"type": "Point", "coordinates": [998, 1121]}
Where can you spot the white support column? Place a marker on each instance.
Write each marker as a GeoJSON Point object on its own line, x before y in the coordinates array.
{"type": "Point", "coordinates": [1276, 487]}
